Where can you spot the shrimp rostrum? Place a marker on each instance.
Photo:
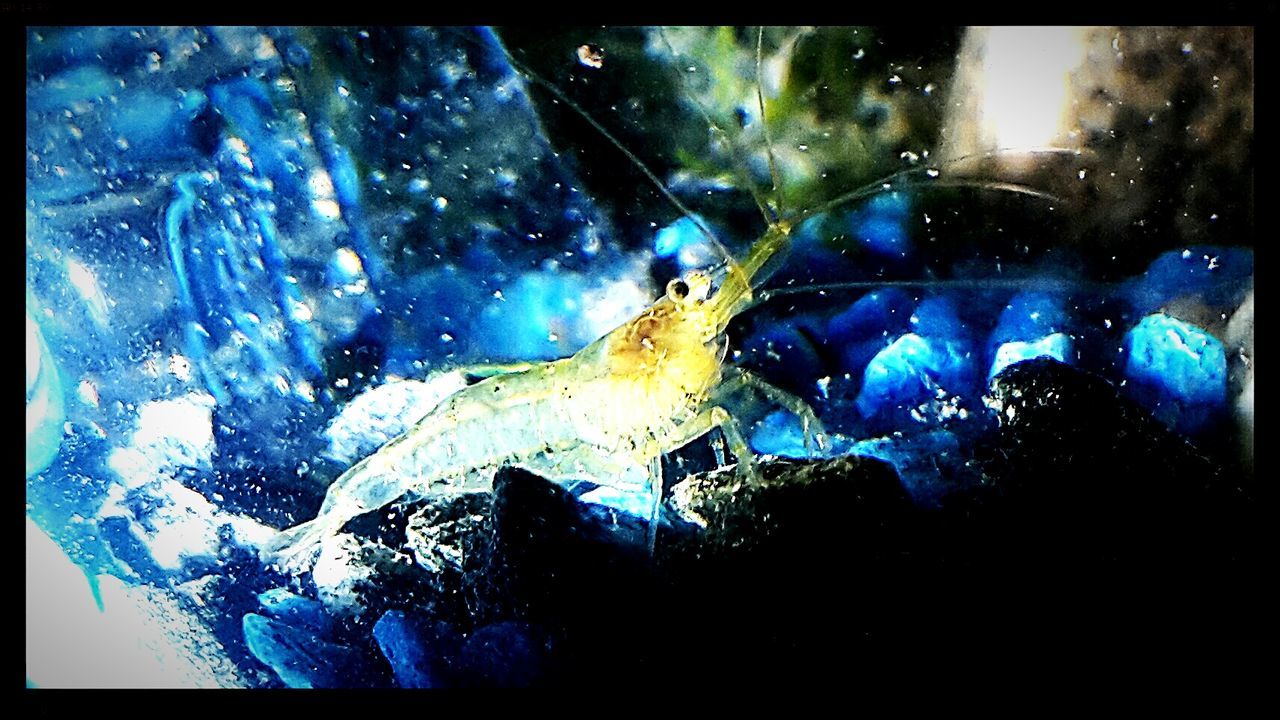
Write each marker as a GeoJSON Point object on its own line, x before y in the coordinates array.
{"type": "Point", "coordinates": [606, 414]}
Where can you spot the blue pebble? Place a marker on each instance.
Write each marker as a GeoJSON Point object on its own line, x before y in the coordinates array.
{"type": "Point", "coordinates": [129, 549]}
{"type": "Point", "coordinates": [76, 183]}
{"type": "Point", "coordinates": [934, 355]}
{"type": "Point", "coordinates": [503, 655]}
{"type": "Point", "coordinates": [881, 225]}
{"type": "Point", "coordinates": [669, 240]}
{"type": "Point", "coordinates": [401, 642]}
{"type": "Point", "coordinates": [295, 610]}
{"type": "Point", "coordinates": [911, 370]}
{"type": "Point", "coordinates": [781, 433]}
{"type": "Point", "coordinates": [684, 241]}
{"type": "Point", "coordinates": [638, 504]}
{"type": "Point", "coordinates": [1056, 345]}
{"type": "Point", "coordinates": [886, 311]}
{"type": "Point", "coordinates": [936, 317]}
{"type": "Point", "coordinates": [815, 260]}
{"type": "Point", "coordinates": [1177, 369]}
{"type": "Point", "coordinates": [1220, 275]}
{"type": "Point", "coordinates": [789, 349]}
{"type": "Point", "coordinates": [155, 127]}
{"type": "Point", "coordinates": [299, 656]}
{"type": "Point", "coordinates": [777, 435]}
{"type": "Point", "coordinates": [854, 357]}
{"type": "Point", "coordinates": [533, 320]}
{"type": "Point", "coordinates": [883, 236]}
{"type": "Point", "coordinates": [1030, 314]}
{"type": "Point", "coordinates": [110, 46]}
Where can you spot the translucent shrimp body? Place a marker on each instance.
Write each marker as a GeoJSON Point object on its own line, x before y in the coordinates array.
{"type": "Point", "coordinates": [606, 414]}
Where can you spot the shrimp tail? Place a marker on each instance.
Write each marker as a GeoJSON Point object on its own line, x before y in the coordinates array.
{"type": "Point", "coordinates": [295, 549]}
{"type": "Point", "coordinates": [368, 485]}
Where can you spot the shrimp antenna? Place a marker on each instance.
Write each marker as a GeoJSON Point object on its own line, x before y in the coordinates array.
{"type": "Point", "coordinates": [885, 183]}
{"type": "Point", "coordinates": [559, 94]}
{"type": "Point", "coordinates": [1046, 284]}
{"type": "Point", "coordinates": [740, 168]}
{"type": "Point", "coordinates": [774, 176]}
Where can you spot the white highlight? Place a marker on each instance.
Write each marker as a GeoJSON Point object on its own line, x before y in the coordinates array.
{"type": "Point", "coordinates": [1026, 94]}
{"type": "Point", "coordinates": [170, 434]}
{"type": "Point", "coordinates": [135, 641]}
{"type": "Point", "coordinates": [86, 283]}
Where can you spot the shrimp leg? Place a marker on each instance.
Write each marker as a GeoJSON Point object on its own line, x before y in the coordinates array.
{"type": "Point", "coordinates": [815, 433]}
{"type": "Point", "coordinates": [714, 417]}
{"type": "Point", "coordinates": [655, 508]}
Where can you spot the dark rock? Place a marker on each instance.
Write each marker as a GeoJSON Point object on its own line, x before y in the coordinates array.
{"type": "Point", "coordinates": [822, 559]}
{"type": "Point", "coordinates": [795, 504]}
{"type": "Point", "coordinates": [359, 578]}
{"type": "Point", "coordinates": [825, 568]}
{"type": "Point", "coordinates": [1091, 474]}
{"type": "Point", "coordinates": [560, 559]}
{"type": "Point", "coordinates": [1100, 527]}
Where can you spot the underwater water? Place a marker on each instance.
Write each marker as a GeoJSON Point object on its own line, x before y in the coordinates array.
{"type": "Point", "coordinates": [257, 255]}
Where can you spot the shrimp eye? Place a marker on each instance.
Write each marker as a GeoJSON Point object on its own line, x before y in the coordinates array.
{"type": "Point", "coordinates": [677, 290]}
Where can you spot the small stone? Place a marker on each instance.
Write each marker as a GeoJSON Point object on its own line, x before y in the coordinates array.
{"type": "Point", "coordinates": [1177, 370]}
{"type": "Point", "coordinates": [296, 610]}
{"type": "Point", "coordinates": [300, 657]}
{"type": "Point", "coordinates": [403, 642]}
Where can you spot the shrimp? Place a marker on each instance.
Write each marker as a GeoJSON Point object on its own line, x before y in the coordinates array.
{"type": "Point", "coordinates": [606, 414]}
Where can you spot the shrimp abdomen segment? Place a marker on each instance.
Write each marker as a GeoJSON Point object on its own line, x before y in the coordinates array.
{"type": "Point", "coordinates": [534, 418]}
